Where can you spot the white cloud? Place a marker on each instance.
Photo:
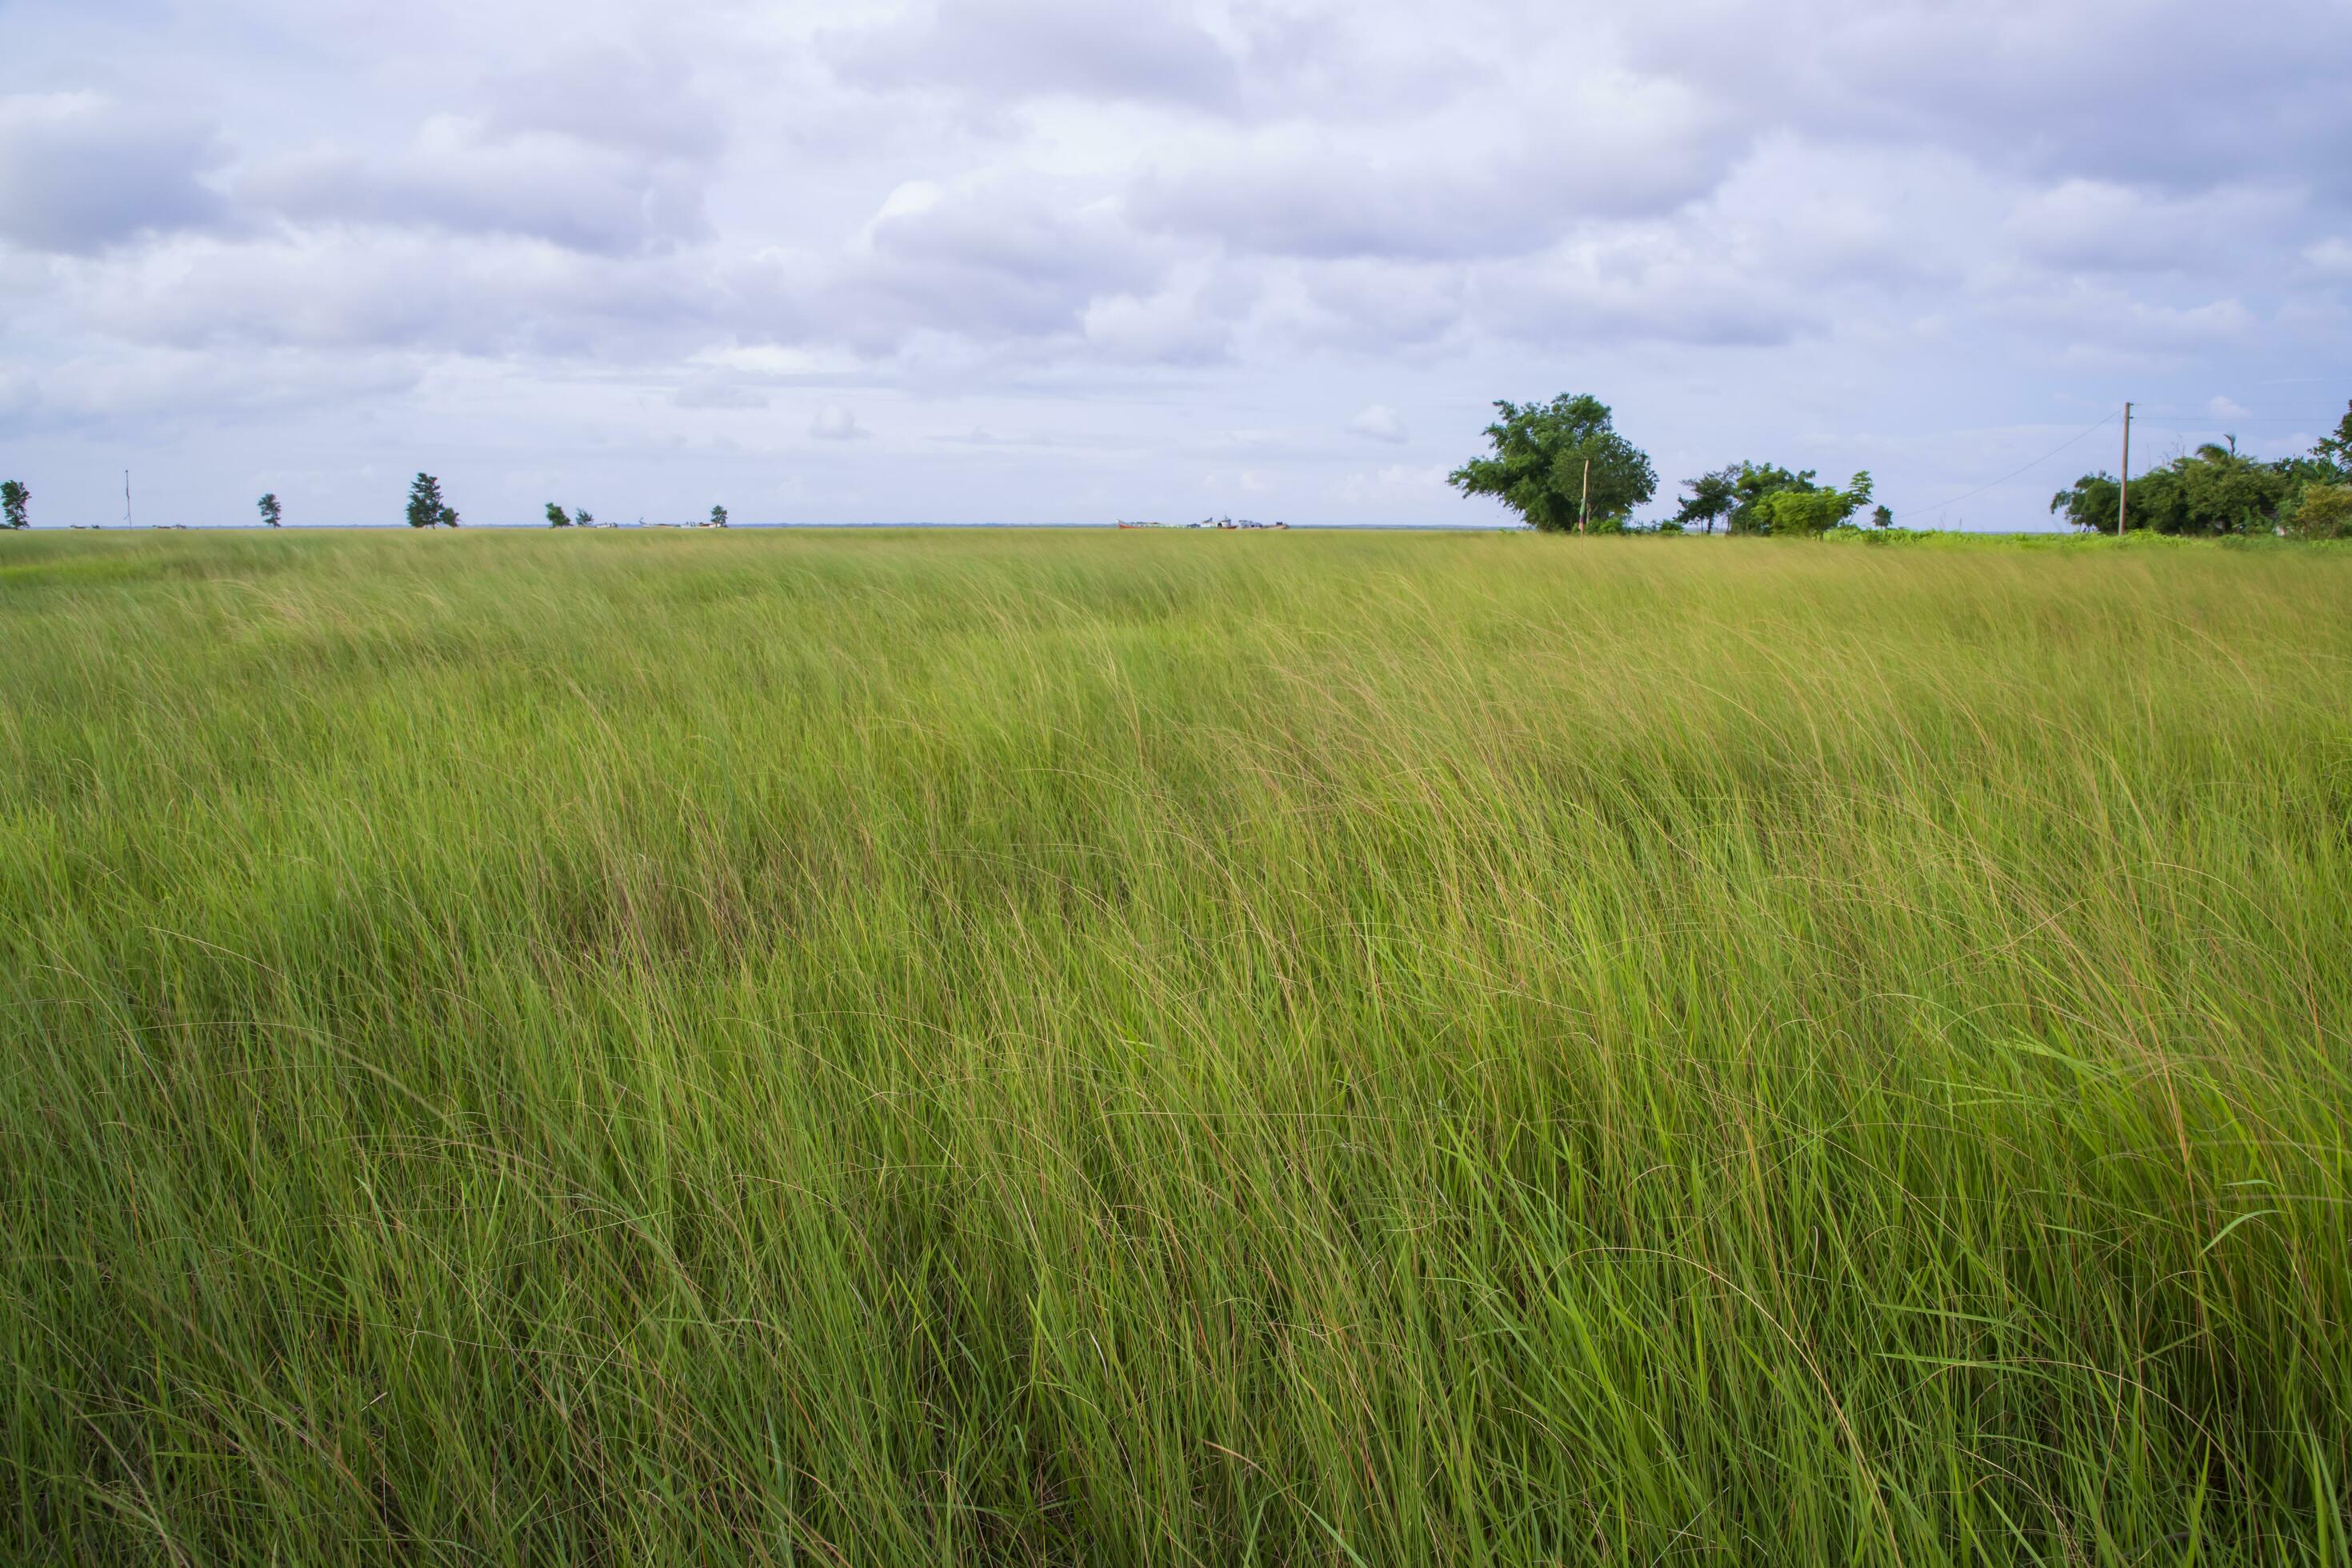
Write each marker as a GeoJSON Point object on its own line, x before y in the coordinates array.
{"type": "Point", "coordinates": [834, 422]}
{"type": "Point", "coordinates": [460, 177]}
{"type": "Point", "coordinates": [1380, 423]}
{"type": "Point", "coordinates": [2224, 408]}
{"type": "Point", "coordinates": [2330, 257]}
{"type": "Point", "coordinates": [1421, 488]}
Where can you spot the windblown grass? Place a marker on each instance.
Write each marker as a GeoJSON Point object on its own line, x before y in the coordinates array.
{"type": "Point", "coordinates": [1011, 1048]}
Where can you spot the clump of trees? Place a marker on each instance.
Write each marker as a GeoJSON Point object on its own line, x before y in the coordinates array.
{"type": "Point", "coordinates": [1561, 466]}
{"type": "Point", "coordinates": [2218, 489]}
{"type": "Point", "coordinates": [426, 507]}
{"type": "Point", "coordinates": [1767, 498]}
{"type": "Point", "coordinates": [272, 515]}
{"type": "Point", "coordinates": [15, 503]}
{"type": "Point", "coordinates": [718, 517]}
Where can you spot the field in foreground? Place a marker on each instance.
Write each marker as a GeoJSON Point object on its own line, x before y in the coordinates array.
{"type": "Point", "coordinates": [1009, 1048]}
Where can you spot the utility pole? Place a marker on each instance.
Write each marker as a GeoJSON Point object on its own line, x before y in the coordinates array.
{"type": "Point", "coordinates": [126, 498]}
{"type": "Point", "coordinates": [1585, 497]}
{"type": "Point", "coordinates": [2123, 499]}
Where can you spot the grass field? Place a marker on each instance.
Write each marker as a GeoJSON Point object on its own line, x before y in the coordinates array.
{"type": "Point", "coordinates": [1012, 1048]}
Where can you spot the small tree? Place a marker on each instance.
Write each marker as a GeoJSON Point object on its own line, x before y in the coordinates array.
{"type": "Point", "coordinates": [2335, 450]}
{"type": "Point", "coordinates": [1881, 518]}
{"type": "Point", "coordinates": [1712, 496]}
{"type": "Point", "coordinates": [271, 516]}
{"type": "Point", "coordinates": [583, 519]}
{"type": "Point", "coordinates": [14, 498]}
{"type": "Point", "coordinates": [1753, 485]}
{"type": "Point", "coordinates": [1813, 511]}
{"type": "Point", "coordinates": [1558, 463]}
{"type": "Point", "coordinates": [718, 517]}
{"type": "Point", "coordinates": [556, 517]}
{"type": "Point", "coordinates": [426, 507]}
{"type": "Point", "coordinates": [2093, 502]}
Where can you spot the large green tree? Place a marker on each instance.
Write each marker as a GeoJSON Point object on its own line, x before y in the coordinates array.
{"type": "Point", "coordinates": [426, 507]}
{"type": "Point", "coordinates": [272, 514]}
{"type": "Point", "coordinates": [1546, 454]}
{"type": "Point", "coordinates": [14, 499]}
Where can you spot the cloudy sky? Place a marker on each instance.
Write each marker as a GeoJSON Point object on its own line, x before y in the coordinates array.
{"type": "Point", "coordinates": [1063, 261]}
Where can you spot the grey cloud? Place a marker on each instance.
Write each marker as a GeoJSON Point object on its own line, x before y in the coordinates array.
{"type": "Point", "coordinates": [457, 178]}
{"type": "Point", "coordinates": [1013, 48]}
{"type": "Point", "coordinates": [1364, 306]}
{"type": "Point", "coordinates": [712, 392]}
{"type": "Point", "coordinates": [834, 422]}
{"type": "Point", "coordinates": [632, 100]}
{"type": "Point", "coordinates": [79, 172]}
{"type": "Point", "coordinates": [2098, 225]}
{"type": "Point", "coordinates": [20, 395]}
{"type": "Point", "coordinates": [988, 261]}
{"type": "Point", "coordinates": [2085, 318]}
{"type": "Point", "coordinates": [1189, 323]}
{"type": "Point", "coordinates": [2167, 93]}
{"type": "Point", "coordinates": [484, 296]}
{"type": "Point", "coordinates": [1649, 290]}
{"type": "Point", "coordinates": [1419, 193]}
{"type": "Point", "coordinates": [169, 387]}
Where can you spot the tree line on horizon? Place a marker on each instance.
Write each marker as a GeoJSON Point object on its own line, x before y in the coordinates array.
{"type": "Point", "coordinates": [427, 508]}
{"type": "Point", "coordinates": [2218, 489]}
{"type": "Point", "coordinates": [1565, 468]}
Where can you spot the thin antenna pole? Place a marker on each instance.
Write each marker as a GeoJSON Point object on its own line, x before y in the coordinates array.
{"type": "Point", "coordinates": [126, 498]}
{"type": "Point", "coordinates": [1584, 499]}
{"type": "Point", "coordinates": [2122, 500]}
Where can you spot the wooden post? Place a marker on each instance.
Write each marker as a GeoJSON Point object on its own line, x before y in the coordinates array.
{"type": "Point", "coordinates": [1584, 499]}
{"type": "Point", "coordinates": [2123, 499]}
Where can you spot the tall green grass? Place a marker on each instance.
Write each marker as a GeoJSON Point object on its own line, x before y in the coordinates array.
{"type": "Point", "coordinates": [1193, 1050]}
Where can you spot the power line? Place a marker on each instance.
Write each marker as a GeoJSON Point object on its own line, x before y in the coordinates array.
{"type": "Point", "coordinates": [2037, 462]}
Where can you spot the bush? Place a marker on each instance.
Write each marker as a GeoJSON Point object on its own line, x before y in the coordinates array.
{"type": "Point", "coordinates": [2324, 511]}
